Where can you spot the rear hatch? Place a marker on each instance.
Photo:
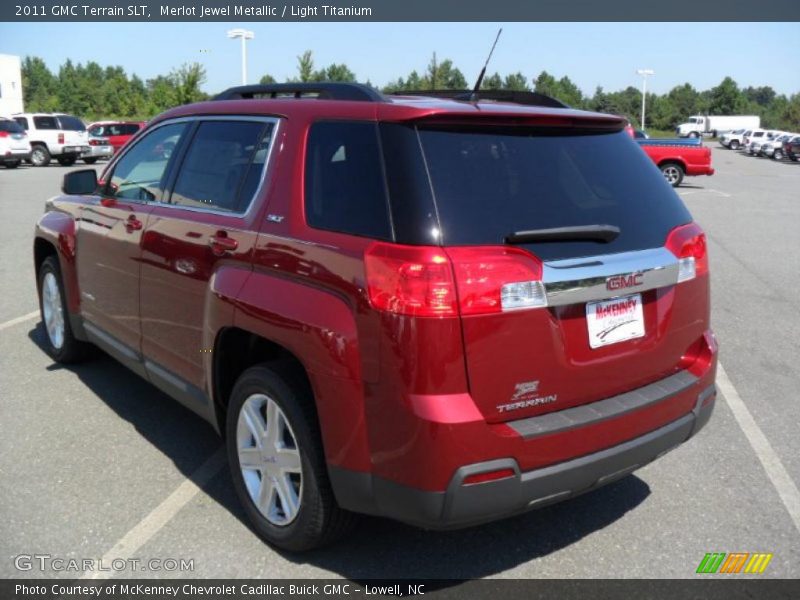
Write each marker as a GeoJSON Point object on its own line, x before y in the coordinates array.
{"type": "Point", "coordinates": [14, 137]}
{"type": "Point", "coordinates": [74, 129]}
{"type": "Point", "coordinates": [571, 226]}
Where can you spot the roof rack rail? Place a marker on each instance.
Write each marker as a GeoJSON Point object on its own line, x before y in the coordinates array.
{"type": "Point", "coordinates": [321, 90]}
{"type": "Point", "coordinates": [515, 97]}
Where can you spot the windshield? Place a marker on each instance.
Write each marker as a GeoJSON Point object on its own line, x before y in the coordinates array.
{"type": "Point", "coordinates": [490, 182]}
{"type": "Point", "coordinates": [71, 123]}
{"type": "Point", "coordinates": [693, 120]}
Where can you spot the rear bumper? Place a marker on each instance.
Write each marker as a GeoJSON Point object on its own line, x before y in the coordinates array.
{"type": "Point", "coordinates": [693, 170]}
{"type": "Point", "coordinates": [463, 505]}
{"type": "Point", "coordinates": [15, 155]}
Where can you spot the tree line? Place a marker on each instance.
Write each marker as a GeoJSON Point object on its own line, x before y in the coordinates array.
{"type": "Point", "coordinates": [92, 92]}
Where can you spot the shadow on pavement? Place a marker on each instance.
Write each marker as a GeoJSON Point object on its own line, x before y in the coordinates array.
{"type": "Point", "coordinates": [378, 548]}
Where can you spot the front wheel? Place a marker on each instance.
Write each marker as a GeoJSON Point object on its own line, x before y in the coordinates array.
{"type": "Point", "coordinates": [60, 343]}
{"type": "Point", "coordinates": [277, 462]}
{"type": "Point", "coordinates": [777, 155]}
{"type": "Point", "coordinates": [734, 144]}
{"type": "Point", "coordinates": [673, 173]}
{"type": "Point", "coordinates": [694, 134]}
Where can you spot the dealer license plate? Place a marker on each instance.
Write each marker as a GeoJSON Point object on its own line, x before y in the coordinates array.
{"type": "Point", "coordinates": [614, 321]}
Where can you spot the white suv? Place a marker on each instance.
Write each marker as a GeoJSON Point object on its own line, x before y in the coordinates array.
{"type": "Point", "coordinates": [733, 139]}
{"type": "Point", "coordinates": [54, 135]}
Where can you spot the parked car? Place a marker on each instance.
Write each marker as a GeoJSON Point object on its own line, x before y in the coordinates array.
{"type": "Point", "coordinates": [117, 132]}
{"type": "Point", "coordinates": [99, 147]}
{"type": "Point", "coordinates": [774, 147]}
{"type": "Point", "coordinates": [791, 149]}
{"type": "Point", "coordinates": [750, 136]}
{"type": "Point", "coordinates": [14, 144]}
{"type": "Point", "coordinates": [676, 158]}
{"type": "Point", "coordinates": [392, 307]}
{"type": "Point", "coordinates": [54, 135]}
{"type": "Point", "coordinates": [638, 134]}
{"type": "Point", "coordinates": [754, 147]}
{"type": "Point", "coordinates": [733, 139]}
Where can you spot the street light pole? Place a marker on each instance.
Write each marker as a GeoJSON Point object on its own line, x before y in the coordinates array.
{"type": "Point", "coordinates": [645, 73]}
{"type": "Point", "coordinates": [244, 35]}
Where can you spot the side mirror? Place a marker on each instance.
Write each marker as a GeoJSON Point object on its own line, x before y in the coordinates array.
{"type": "Point", "coordinates": [80, 182]}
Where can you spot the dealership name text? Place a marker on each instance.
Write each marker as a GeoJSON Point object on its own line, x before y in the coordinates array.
{"type": "Point", "coordinates": [190, 589]}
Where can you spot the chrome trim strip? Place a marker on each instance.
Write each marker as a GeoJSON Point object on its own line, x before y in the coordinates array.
{"type": "Point", "coordinates": [601, 410]}
{"type": "Point", "coordinates": [579, 280]}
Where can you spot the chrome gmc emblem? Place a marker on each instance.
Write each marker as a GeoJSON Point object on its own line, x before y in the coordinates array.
{"type": "Point", "coordinates": [618, 282]}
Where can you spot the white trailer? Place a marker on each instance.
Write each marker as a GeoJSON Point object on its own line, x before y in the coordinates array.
{"type": "Point", "coordinates": [10, 85]}
{"type": "Point", "coordinates": [713, 125]}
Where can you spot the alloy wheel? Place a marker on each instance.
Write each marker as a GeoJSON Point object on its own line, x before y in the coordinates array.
{"type": "Point", "coordinates": [53, 311]}
{"type": "Point", "coordinates": [269, 459]}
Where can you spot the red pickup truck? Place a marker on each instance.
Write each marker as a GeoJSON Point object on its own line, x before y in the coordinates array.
{"type": "Point", "coordinates": [677, 158]}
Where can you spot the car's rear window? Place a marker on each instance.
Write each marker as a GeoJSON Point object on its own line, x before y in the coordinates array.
{"type": "Point", "coordinates": [70, 123]}
{"type": "Point", "coordinates": [10, 126]}
{"type": "Point", "coordinates": [488, 183]}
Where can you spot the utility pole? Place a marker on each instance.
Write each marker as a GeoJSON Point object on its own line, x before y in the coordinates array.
{"type": "Point", "coordinates": [244, 35]}
{"type": "Point", "coordinates": [645, 73]}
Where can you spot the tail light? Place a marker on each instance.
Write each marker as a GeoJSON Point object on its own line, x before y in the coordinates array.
{"type": "Point", "coordinates": [3, 134]}
{"type": "Point", "coordinates": [688, 243]}
{"type": "Point", "coordinates": [430, 281]}
{"type": "Point", "coordinates": [60, 138]}
{"type": "Point", "coordinates": [94, 142]}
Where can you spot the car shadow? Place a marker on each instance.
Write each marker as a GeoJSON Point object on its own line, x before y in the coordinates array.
{"type": "Point", "coordinates": [378, 548]}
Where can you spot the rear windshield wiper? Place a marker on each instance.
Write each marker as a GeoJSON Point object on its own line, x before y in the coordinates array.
{"type": "Point", "coordinates": [596, 233]}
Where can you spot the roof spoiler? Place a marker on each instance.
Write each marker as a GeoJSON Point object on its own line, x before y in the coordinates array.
{"type": "Point", "coordinates": [514, 97]}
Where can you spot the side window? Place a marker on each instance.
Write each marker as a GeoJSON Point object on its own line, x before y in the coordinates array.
{"type": "Point", "coordinates": [344, 183]}
{"type": "Point", "coordinates": [223, 165]}
{"type": "Point", "coordinates": [45, 123]}
{"type": "Point", "coordinates": [23, 122]}
{"type": "Point", "coordinates": [129, 128]}
{"type": "Point", "coordinates": [140, 173]}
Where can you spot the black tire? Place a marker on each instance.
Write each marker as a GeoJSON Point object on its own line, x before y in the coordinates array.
{"type": "Point", "coordinates": [734, 144]}
{"type": "Point", "coordinates": [12, 164]}
{"type": "Point", "coordinates": [794, 158]}
{"type": "Point", "coordinates": [673, 173]}
{"type": "Point", "coordinates": [40, 155]}
{"type": "Point", "coordinates": [319, 520]}
{"type": "Point", "coordinates": [778, 154]}
{"type": "Point", "coordinates": [694, 134]}
{"type": "Point", "coordinates": [90, 161]}
{"type": "Point", "coordinates": [71, 349]}
{"type": "Point", "coordinates": [66, 161]}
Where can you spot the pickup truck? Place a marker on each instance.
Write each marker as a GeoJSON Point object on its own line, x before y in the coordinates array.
{"type": "Point", "coordinates": [677, 158]}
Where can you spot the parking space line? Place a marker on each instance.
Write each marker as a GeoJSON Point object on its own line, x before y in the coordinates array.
{"type": "Point", "coordinates": [161, 515]}
{"type": "Point", "coordinates": [776, 472]}
{"type": "Point", "coordinates": [19, 320]}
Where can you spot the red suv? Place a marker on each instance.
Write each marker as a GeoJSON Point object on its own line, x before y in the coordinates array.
{"type": "Point", "coordinates": [444, 311]}
{"type": "Point", "coordinates": [117, 132]}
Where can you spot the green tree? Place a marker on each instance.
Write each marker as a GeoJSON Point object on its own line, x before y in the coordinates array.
{"type": "Point", "coordinates": [267, 79]}
{"type": "Point", "coordinates": [305, 66]}
{"type": "Point", "coordinates": [517, 82]}
{"type": "Point", "coordinates": [337, 72]}
{"type": "Point", "coordinates": [39, 85]}
{"type": "Point", "coordinates": [726, 98]}
{"type": "Point", "coordinates": [187, 80]}
{"type": "Point", "coordinates": [492, 82]}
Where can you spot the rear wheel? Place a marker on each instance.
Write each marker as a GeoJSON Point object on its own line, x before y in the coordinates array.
{"type": "Point", "coordinates": [673, 173]}
{"type": "Point", "coordinates": [90, 161]}
{"type": "Point", "coordinates": [60, 343]}
{"type": "Point", "coordinates": [66, 161]}
{"type": "Point", "coordinates": [40, 157]}
{"type": "Point", "coordinates": [13, 164]}
{"type": "Point", "coordinates": [277, 462]}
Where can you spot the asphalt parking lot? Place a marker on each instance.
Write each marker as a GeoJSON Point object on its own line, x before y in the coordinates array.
{"type": "Point", "coordinates": [95, 462]}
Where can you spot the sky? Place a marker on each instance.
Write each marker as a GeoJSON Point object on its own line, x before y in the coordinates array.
{"type": "Point", "coordinates": [591, 54]}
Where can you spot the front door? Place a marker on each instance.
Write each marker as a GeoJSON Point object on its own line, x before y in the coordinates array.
{"type": "Point", "coordinates": [109, 240]}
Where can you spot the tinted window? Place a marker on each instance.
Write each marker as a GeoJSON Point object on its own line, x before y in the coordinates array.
{"type": "Point", "coordinates": [22, 121]}
{"type": "Point", "coordinates": [10, 126]}
{"type": "Point", "coordinates": [490, 183]}
{"type": "Point", "coordinates": [71, 123]}
{"type": "Point", "coordinates": [140, 173]}
{"type": "Point", "coordinates": [45, 123]}
{"type": "Point", "coordinates": [344, 183]}
{"type": "Point", "coordinates": [129, 128]}
{"type": "Point", "coordinates": [223, 165]}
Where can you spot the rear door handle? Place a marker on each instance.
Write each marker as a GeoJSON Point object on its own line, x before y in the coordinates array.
{"type": "Point", "coordinates": [220, 243]}
{"type": "Point", "coordinates": [132, 224]}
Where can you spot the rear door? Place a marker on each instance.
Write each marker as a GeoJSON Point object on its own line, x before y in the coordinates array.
{"type": "Point", "coordinates": [207, 220]}
{"type": "Point", "coordinates": [613, 320]}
